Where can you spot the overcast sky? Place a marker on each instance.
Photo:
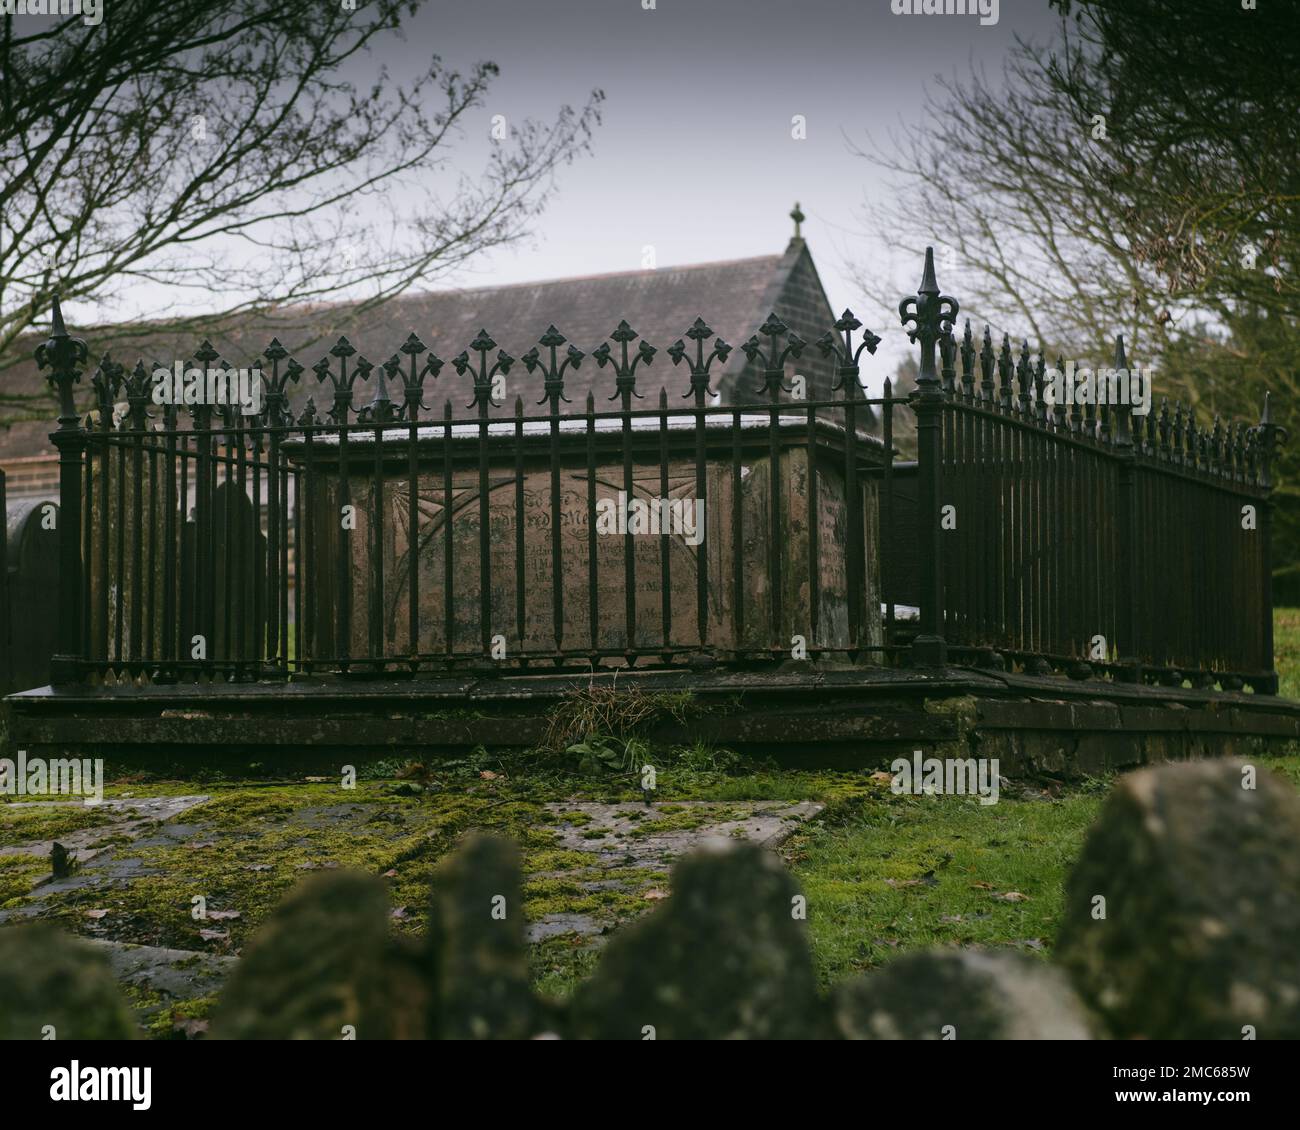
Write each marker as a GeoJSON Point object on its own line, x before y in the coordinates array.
{"type": "Point", "coordinates": [696, 157]}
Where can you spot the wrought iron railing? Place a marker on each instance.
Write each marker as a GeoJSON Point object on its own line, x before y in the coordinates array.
{"type": "Point", "coordinates": [393, 538]}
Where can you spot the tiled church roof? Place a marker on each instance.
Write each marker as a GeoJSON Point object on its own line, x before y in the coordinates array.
{"type": "Point", "coordinates": [734, 297]}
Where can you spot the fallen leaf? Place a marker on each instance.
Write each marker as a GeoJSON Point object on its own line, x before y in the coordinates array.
{"type": "Point", "coordinates": [488, 775]}
{"type": "Point", "coordinates": [191, 1027]}
{"type": "Point", "coordinates": [318, 780]}
{"type": "Point", "coordinates": [309, 866]}
{"type": "Point", "coordinates": [655, 893]}
{"type": "Point", "coordinates": [1011, 896]}
{"type": "Point", "coordinates": [96, 913]}
{"type": "Point", "coordinates": [391, 873]}
{"type": "Point", "coordinates": [401, 913]}
{"type": "Point", "coordinates": [214, 935]}
{"type": "Point", "coordinates": [983, 886]}
{"type": "Point", "coordinates": [883, 777]}
{"type": "Point", "coordinates": [1033, 943]}
{"type": "Point", "coordinates": [222, 915]}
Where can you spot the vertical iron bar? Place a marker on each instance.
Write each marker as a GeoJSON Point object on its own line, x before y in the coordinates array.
{"type": "Point", "coordinates": [484, 530]}
{"type": "Point", "coordinates": [738, 528]}
{"type": "Point", "coordinates": [814, 534]}
{"type": "Point", "coordinates": [665, 544]}
{"type": "Point", "coordinates": [378, 650]}
{"type": "Point", "coordinates": [519, 521]}
{"type": "Point", "coordinates": [413, 518]}
{"type": "Point", "coordinates": [593, 598]}
{"type": "Point", "coordinates": [448, 607]}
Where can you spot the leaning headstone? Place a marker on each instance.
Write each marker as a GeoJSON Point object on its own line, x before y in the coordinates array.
{"type": "Point", "coordinates": [54, 987]}
{"type": "Point", "coordinates": [325, 967]}
{"type": "Point", "coordinates": [726, 957]}
{"type": "Point", "coordinates": [477, 945]}
{"type": "Point", "coordinates": [1183, 913]}
{"type": "Point", "coordinates": [960, 995]}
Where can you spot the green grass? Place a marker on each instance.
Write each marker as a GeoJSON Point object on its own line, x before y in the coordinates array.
{"type": "Point", "coordinates": [860, 865]}
{"type": "Point", "coordinates": [1286, 650]}
{"type": "Point", "coordinates": [889, 873]}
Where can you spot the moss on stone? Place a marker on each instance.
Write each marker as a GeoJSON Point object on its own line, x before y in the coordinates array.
{"type": "Point", "coordinates": [26, 824]}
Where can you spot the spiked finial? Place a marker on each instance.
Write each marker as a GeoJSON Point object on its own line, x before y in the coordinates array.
{"type": "Point", "coordinates": [64, 356]}
{"type": "Point", "coordinates": [967, 360]}
{"type": "Point", "coordinates": [930, 316]}
{"type": "Point", "coordinates": [58, 329]}
{"type": "Point", "coordinates": [1006, 368]}
{"type": "Point", "coordinates": [1025, 376]}
{"type": "Point", "coordinates": [1267, 435]}
{"type": "Point", "coordinates": [987, 361]}
{"type": "Point", "coordinates": [947, 361]}
{"type": "Point", "coordinates": [929, 285]}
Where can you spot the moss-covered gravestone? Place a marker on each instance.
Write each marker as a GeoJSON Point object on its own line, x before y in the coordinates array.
{"type": "Point", "coordinates": [326, 966]}
{"type": "Point", "coordinates": [1182, 915]}
{"type": "Point", "coordinates": [53, 986]}
{"type": "Point", "coordinates": [725, 958]}
{"type": "Point", "coordinates": [477, 944]}
{"type": "Point", "coordinates": [960, 995]}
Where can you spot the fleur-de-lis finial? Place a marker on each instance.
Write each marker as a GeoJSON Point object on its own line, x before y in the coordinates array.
{"type": "Point", "coordinates": [930, 314]}
{"type": "Point", "coordinates": [413, 383]}
{"type": "Point", "coordinates": [774, 356]}
{"type": "Point", "coordinates": [699, 365]}
{"type": "Point", "coordinates": [624, 369]}
{"type": "Point", "coordinates": [553, 370]}
{"type": "Point", "coordinates": [138, 386]}
{"type": "Point", "coordinates": [63, 355]}
{"type": "Point", "coordinates": [277, 403]}
{"type": "Point", "coordinates": [484, 373]}
{"type": "Point", "coordinates": [1267, 435]}
{"type": "Point", "coordinates": [844, 353]}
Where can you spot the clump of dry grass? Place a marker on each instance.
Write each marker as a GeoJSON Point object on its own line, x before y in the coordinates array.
{"type": "Point", "coordinates": [606, 709]}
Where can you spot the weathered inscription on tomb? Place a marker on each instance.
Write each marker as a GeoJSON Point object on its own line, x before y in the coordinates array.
{"type": "Point", "coordinates": [445, 545]}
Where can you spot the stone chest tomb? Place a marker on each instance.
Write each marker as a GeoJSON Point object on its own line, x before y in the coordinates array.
{"type": "Point", "coordinates": [547, 504]}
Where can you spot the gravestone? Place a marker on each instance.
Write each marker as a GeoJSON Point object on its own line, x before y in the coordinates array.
{"type": "Point", "coordinates": [1182, 912]}
{"type": "Point", "coordinates": [31, 593]}
{"type": "Point", "coordinates": [126, 573]}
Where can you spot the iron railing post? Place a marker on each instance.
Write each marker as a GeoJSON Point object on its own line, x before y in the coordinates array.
{"type": "Point", "coordinates": [63, 356]}
{"type": "Point", "coordinates": [1267, 433]}
{"type": "Point", "coordinates": [931, 315]}
{"type": "Point", "coordinates": [1127, 651]}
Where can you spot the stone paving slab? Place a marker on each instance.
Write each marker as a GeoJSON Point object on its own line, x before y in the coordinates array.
{"type": "Point", "coordinates": [624, 841]}
{"type": "Point", "coordinates": [127, 817]}
{"type": "Point", "coordinates": [629, 827]}
{"type": "Point", "coordinates": [629, 836]}
{"type": "Point", "coordinates": [170, 975]}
